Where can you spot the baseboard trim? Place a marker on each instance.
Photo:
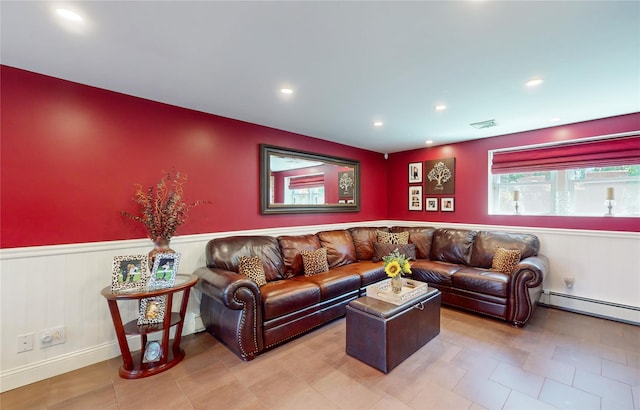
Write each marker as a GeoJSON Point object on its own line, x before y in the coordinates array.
{"type": "Point", "coordinates": [592, 307]}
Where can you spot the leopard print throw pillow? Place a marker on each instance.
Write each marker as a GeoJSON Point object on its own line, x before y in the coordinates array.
{"type": "Point", "coordinates": [253, 269]}
{"type": "Point", "coordinates": [505, 260]}
{"type": "Point", "coordinates": [398, 238]}
{"type": "Point", "coordinates": [314, 261]}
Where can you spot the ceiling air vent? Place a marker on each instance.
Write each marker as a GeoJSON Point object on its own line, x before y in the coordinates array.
{"type": "Point", "coordinates": [484, 124]}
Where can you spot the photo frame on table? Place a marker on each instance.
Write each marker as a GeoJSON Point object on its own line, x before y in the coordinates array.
{"type": "Point", "coordinates": [129, 272]}
{"type": "Point", "coordinates": [164, 271]}
{"type": "Point", "coordinates": [431, 204]}
{"type": "Point", "coordinates": [415, 198]}
{"type": "Point", "coordinates": [152, 310]}
{"type": "Point", "coordinates": [415, 172]}
{"type": "Point", "coordinates": [152, 352]}
{"type": "Point", "coordinates": [446, 204]}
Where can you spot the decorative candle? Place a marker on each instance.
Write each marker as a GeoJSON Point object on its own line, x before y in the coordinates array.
{"type": "Point", "coordinates": [610, 196]}
{"type": "Point", "coordinates": [516, 195]}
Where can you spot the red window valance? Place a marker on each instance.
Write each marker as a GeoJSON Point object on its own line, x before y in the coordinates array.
{"type": "Point", "coordinates": [307, 181]}
{"type": "Point", "coordinates": [569, 155]}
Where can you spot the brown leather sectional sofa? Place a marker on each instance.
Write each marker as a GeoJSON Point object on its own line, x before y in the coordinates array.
{"type": "Point", "coordinates": [251, 319]}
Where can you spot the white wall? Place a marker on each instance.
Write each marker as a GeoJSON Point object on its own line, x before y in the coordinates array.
{"type": "Point", "coordinates": [48, 286]}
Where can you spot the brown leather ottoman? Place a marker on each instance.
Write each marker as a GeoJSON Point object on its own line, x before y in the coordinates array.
{"type": "Point", "coordinates": [382, 334]}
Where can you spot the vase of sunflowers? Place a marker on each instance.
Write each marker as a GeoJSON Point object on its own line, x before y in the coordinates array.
{"type": "Point", "coordinates": [396, 264]}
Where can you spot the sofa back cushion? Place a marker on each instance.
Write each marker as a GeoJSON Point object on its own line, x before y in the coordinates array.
{"type": "Point", "coordinates": [452, 245]}
{"type": "Point", "coordinates": [363, 239]}
{"type": "Point", "coordinates": [225, 253]}
{"type": "Point", "coordinates": [340, 247]}
{"type": "Point", "coordinates": [485, 244]}
{"type": "Point", "coordinates": [291, 248]}
{"type": "Point", "coordinates": [420, 236]}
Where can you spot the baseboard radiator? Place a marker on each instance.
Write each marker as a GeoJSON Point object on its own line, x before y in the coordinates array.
{"type": "Point", "coordinates": [591, 307]}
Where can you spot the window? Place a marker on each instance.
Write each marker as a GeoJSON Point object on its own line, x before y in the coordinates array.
{"type": "Point", "coordinates": [572, 192]}
{"type": "Point", "coordinates": [574, 178]}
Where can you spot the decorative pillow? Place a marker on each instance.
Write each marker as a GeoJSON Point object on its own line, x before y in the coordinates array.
{"type": "Point", "coordinates": [505, 260]}
{"type": "Point", "coordinates": [253, 269]}
{"type": "Point", "coordinates": [400, 238]}
{"type": "Point", "coordinates": [383, 249]}
{"type": "Point", "coordinates": [314, 261]}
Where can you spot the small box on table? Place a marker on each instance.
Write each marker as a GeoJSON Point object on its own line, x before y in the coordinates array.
{"type": "Point", "coordinates": [383, 334]}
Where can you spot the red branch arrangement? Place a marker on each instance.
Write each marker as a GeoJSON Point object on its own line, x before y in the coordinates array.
{"type": "Point", "coordinates": [163, 209]}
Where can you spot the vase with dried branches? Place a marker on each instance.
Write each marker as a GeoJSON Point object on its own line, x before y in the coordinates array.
{"type": "Point", "coordinates": [162, 210]}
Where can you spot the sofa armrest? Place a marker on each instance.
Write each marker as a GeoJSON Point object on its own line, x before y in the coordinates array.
{"type": "Point", "coordinates": [231, 309]}
{"type": "Point", "coordinates": [526, 287]}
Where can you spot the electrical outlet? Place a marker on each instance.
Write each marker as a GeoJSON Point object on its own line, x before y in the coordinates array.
{"type": "Point", "coordinates": [25, 343]}
{"type": "Point", "coordinates": [52, 337]}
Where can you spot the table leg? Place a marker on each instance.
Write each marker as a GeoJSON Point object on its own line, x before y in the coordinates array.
{"type": "Point", "coordinates": [122, 337]}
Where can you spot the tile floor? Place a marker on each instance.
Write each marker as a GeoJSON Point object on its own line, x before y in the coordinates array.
{"type": "Point", "coordinates": [559, 360]}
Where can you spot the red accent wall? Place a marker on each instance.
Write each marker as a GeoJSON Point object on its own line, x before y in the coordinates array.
{"type": "Point", "coordinates": [471, 195]}
{"type": "Point", "coordinates": [71, 154]}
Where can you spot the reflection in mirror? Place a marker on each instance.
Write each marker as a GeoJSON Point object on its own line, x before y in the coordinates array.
{"type": "Point", "coordinates": [298, 182]}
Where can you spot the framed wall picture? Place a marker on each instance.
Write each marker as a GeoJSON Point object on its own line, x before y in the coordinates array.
{"type": "Point", "coordinates": [415, 198]}
{"type": "Point", "coordinates": [152, 310]}
{"type": "Point", "coordinates": [346, 183]}
{"type": "Point", "coordinates": [415, 172]}
{"type": "Point", "coordinates": [165, 268]}
{"type": "Point", "coordinates": [440, 176]}
{"type": "Point", "coordinates": [129, 272]}
{"type": "Point", "coordinates": [446, 204]}
{"type": "Point", "coordinates": [431, 204]}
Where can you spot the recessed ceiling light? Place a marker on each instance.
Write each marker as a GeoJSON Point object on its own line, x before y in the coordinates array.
{"type": "Point", "coordinates": [429, 142]}
{"type": "Point", "coordinates": [69, 15]}
{"type": "Point", "coordinates": [555, 119]}
{"type": "Point", "coordinates": [534, 82]}
{"type": "Point", "coordinates": [286, 91]}
{"type": "Point", "coordinates": [378, 124]}
{"type": "Point", "coordinates": [441, 107]}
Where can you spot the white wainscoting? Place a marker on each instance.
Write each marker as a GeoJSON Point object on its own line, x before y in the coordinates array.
{"type": "Point", "coordinates": [48, 286]}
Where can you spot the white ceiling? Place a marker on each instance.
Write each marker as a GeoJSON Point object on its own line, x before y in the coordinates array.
{"type": "Point", "coordinates": [350, 63]}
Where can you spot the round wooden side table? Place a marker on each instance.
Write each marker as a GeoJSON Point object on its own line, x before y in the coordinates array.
{"type": "Point", "coordinates": [134, 365]}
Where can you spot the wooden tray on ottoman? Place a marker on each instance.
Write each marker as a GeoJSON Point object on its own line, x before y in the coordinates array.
{"type": "Point", "coordinates": [383, 334]}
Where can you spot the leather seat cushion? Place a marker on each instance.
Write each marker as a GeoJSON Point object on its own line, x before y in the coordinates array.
{"type": "Point", "coordinates": [291, 246]}
{"type": "Point", "coordinates": [333, 283]}
{"type": "Point", "coordinates": [340, 248]}
{"type": "Point", "coordinates": [369, 272]}
{"type": "Point", "coordinates": [287, 296]}
{"type": "Point", "coordinates": [420, 236]}
{"type": "Point", "coordinates": [363, 239]}
{"type": "Point", "coordinates": [482, 281]}
{"type": "Point", "coordinates": [438, 273]}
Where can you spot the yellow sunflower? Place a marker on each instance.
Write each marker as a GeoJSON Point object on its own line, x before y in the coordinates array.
{"type": "Point", "coordinates": [393, 269]}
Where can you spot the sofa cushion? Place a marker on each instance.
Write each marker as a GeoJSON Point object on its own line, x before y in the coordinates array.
{"type": "Point", "coordinates": [384, 249]}
{"type": "Point", "coordinates": [505, 260]}
{"type": "Point", "coordinates": [225, 253]}
{"type": "Point", "coordinates": [482, 281]}
{"type": "Point", "coordinates": [401, 238]}
{"type": "Point", "coordinates": [291, 246]}
{"type": "Point", "coordinates": [363, 239]}
{"type": "Point", "coordinates": [485, 244]}
{"type": "Point", "coordinates": [452, 245]}
{"type": "Point", "coordinates": [314, 261]}
{"type": "Point", "coordinates": [437, 273]}
{"type": "Point", "coordinates": [420, 236]}
{"type": "Point", "coordinates": [369, 272]}
{"type": "Point", "coordinates": [287, 296]}
{"type": "Point", "coordinates": [252, 268]}
{"type": "Point", "coordinates": [333, 283]}
{"type": "Point", "coordinates": [340, 248]}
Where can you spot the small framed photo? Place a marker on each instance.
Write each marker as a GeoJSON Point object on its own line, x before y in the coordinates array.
{"type": "Point", "coordinates": [415, 198]}
{"type": "Point", "coordinates": [152, 310]}
{"type": "Point", "coordinates": [431, 204]}
{"type": "Point", "coordinates": [446, 204]}
{"type": "Point", "coordinates": [415, 172]}
{"type": "Point", "coordinates": [165, 268]}
{"type": "Point", "coordinates": [152, 352]}
{"type": "Point", "coordinates": [129, 272]}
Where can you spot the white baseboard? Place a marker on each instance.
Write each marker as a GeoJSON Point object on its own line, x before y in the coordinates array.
{"type": "Point", "coordinates": [592, 307]}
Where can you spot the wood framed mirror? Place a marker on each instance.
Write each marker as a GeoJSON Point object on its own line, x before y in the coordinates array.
{"type": "Point", "coordinates": [293, 181]}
